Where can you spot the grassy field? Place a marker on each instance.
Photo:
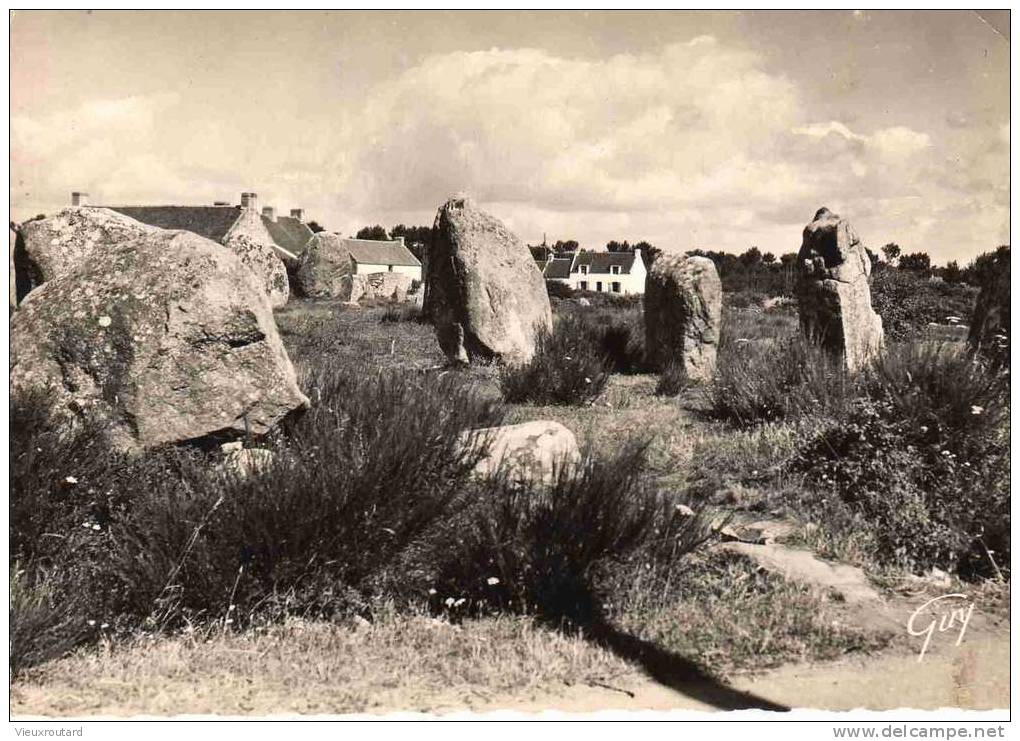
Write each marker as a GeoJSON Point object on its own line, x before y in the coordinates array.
{"type": "Point", "coordinates": [383, 602]}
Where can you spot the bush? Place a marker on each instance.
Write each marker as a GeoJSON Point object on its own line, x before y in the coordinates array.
{"type": "Point", "coordinates": [907, 302]}
{"type": "Point", "coordinates": [45, 622]}
{"type": "Point", "coordinates": [534, 549]}
{"type": "Point", "coordinates": [174, 536]}
{"type": "Point", "coordinates": [569, 367]}
{"type": "Point", "coordinates": [395, 313]}
{"type": "Point", "coordinates": [763, 381]}
{"type": "Point", "coordinates": [558, 289]}
{"type": "Point", "coordinates": [355, 483]}
{"type": "Point", "coordinates": [923, 455]}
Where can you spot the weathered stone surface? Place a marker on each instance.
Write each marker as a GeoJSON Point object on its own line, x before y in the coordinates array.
{"type": "Point", "coordinates": [989, 327]}
{"type": "Point", "coordinates": [805, 568]}
{"type": "Point", "coordinates": [167, 338]}
{"type": "Point", "coordinates": [533, 451]}
{"type": "Point", "coordinates": [834, 298]}
{"type": "Point", "coordinates": [683, 313]}
{"type": "Point", "coordinates": [323, 267]}
{"type": "Point", "coordinates": [268, 269]}
{"type": "Point", "coordinates": [486, 297]}
{"type": "Point", "coordinates": [59, 245]}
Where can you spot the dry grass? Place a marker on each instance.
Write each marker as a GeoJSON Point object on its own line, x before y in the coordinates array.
{"type": "Point", "coordinates": [401, 663]}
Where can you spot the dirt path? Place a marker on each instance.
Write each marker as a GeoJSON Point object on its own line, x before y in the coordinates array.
{"type": "Point", "coordinates": [975, 676]}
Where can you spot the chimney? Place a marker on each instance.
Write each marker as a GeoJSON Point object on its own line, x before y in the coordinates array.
{"type": "Point", "coordinates": [401, 240]}
{"type": "Point", "coordinates": [79, 199]}
{"type": "Point", "coordinates": [250, 200]}
{"type": "Point", "coordinates": [269, 212]}
{"type": "Point", "coordinates": [297, 213]}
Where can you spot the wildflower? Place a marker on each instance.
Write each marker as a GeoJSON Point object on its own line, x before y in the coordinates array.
{"type": "Point", "coordinates": [92, 623]}
{"type": "Point", "coordinates": [924, 428]}
{"type": "Point", "coordinates": [975, 410]}
{"type": "Point", "coordinates": [105, 321]}
{"type": "Point", "coordinates": [104, 626]}
{"type": "Point", "coordinates": [492, 581]}
{"type": "Point", "coordinates": [432, 591]}
{"type": "Point", "coordinates": [567, 357]}
{"type": "Point", "coordinates": [85, 525]}
{"type": "Point", "coordinates": [449, 601]}
{"type": "Point", "coordinates": [229, 621]}
{"type": "Point", "coordinates": [231, 608]}
{"type": "Point", "coordinates": [459, 602]}
{"type": "Point", "coordinates": [70, 480]}
{"type": "Point", "coordinates": [587, 380]}
{"type": "Point", "coordinates": [97, 526]}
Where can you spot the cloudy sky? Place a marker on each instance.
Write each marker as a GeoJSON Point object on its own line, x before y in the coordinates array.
{"type": "Point", "coordinates": [718, 130]}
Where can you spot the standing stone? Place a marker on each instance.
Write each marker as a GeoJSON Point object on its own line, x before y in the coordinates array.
{"type": "Point", "coordinates": [269, 270]}
{"type": "Point", "coordinates": [323, 268]}
{"type": "Point", "coordinates": [683, 313]}
{"type": "Point", "coordinates": [833, 294]}
{"type": "Point", "coordinates": [486, 297]}
{"type": "Point", "coordinates": [165, 337]}
{"type": "Point", "coordinates": [989, 328]}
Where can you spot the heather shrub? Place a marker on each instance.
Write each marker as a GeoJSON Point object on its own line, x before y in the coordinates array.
{"type": "Point", "coordinates": [544, 549]}
{"type": "Point", "coordinates": [395, 313]}
{"type": "Point", "coordinates": [353, 485]}
{"type": "Point", "coordinates": [922, 455]}
{"type": "Point", "coordinates": [45, 622]}
{"type": "Point", "coordinates": [762, 381]}
{"type": "Point", "coordinates": [569, 367]}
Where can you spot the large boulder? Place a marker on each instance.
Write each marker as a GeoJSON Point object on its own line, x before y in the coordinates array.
{"type": "Point", "coordinates": [833, 294]}
{"type": "Point", "coordinates": [485, 295]}
{"type": "Point", "coordinates": [323, 267]}
{"type": "Point", "coordinates": [269, 270]}
{"type": "Point", "coordinates": [683, 312]}
{"type": "Point", "coordinates": [166, 336]}
{"type": "Point", "coordinates": [59, 245]}
{"type": "Point", "coordinates": [989, 327]}
{"type": "Point", "coordinates": [532, 451]}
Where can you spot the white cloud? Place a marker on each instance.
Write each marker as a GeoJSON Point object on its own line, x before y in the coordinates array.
{"type": "Point", "coordinates": [691, 144]}
{"type": "Point", "coordinates": [822, 130]}
{"type": "Point", "coordinates": [899, 141]}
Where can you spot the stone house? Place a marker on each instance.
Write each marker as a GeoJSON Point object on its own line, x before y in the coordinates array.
{"type": "Point", "coordinates": [622, 273]}
{"type": "Point", "coordinates": [219, 222]}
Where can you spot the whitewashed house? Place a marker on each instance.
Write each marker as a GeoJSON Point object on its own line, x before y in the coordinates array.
{"type": "Point", "coordinates": [379, 256]}
{"type": "Point", "coordinates": [622, 273]}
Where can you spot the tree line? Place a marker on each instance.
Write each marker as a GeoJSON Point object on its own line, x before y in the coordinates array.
{"type": "Point", "coordinates": [751, 270]}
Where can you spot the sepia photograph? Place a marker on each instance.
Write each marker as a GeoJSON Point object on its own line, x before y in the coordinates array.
{"type": "Point", "coordinates": [509, 364]}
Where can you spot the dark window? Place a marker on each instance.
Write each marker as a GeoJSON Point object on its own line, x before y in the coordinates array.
{"type": "Point", "coordinates": [598, 286]}
{"type": "Point", "coordinates": [584, 285]}
{"type": "Point", "coordinates": [616, 287]}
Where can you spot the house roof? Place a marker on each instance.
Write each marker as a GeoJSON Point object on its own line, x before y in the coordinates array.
{"type": "Point", "coordinates": [289, 233]}
{"type": "Point", "coordinates": [211, 222]}
{"type": "Point", "coordinates": [559, 267]}
{"type": "Point", "coordinates": [374, 252]}
{"type": "Point", "coordinates": [601, 262]}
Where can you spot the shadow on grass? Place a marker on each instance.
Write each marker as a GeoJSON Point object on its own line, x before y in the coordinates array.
{"type": "Point", "coordinates": [676, 672]}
